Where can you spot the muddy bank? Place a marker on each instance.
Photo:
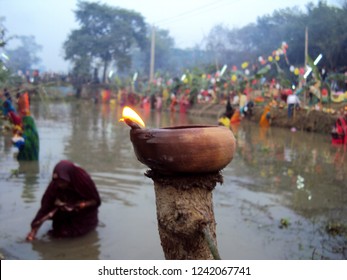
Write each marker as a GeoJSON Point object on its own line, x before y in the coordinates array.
{"type": "Point", "coordinates": [305, 120]}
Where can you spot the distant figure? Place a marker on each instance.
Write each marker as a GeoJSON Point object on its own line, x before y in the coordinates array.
{"type": "Point", "coordinates": [23, 103]}
{"type": "Point", "coordinates": [229, 110]}
{"type": "Point", "coordinates": [4, 97]}
{"type": "Point", "coordinates": [11, 114]}
{"type": "Point", "coordinates": [265, 117]}
{"type": "Point", "coordinates": [173, 103]}
{"type": "Point", "coordinates": [26, 139]}
{"type": "Point", "coordinates": [339, 131]}
{"type": "Point", "coordinates": [183, 103]}
{"type": "Point", "coordinates": [146, 104]}
{"type": "Point", "coordinates": [224, 120]}
{"type": "Point", "coordinates": [293, 102]}
{"type": "Point", "coordinates": [248, 109]}
{"type": "Point", "coordinates": [236, 117]}
{"type": "Point", "coordinates": [159, 102]}
{"type": "Point", "coordinates": [242, 104]}
{"type": "Point", "coordinates": [71, 200]}
{"type": "Point", "coordinates": [9, 111]}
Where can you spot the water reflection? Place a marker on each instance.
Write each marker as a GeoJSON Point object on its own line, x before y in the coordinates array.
{"type": "Point", "coordinates": [303, 178]}
{"type": "Point", "coordinates": [276, 174]}
{"type": "Point", "coordinates": [300, 166]}
{"type": "Point", "coordinates": [84, 248]}
{"type": "Point", "coordinates": [30, 171]}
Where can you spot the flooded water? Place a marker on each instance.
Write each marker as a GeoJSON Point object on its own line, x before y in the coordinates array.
{"type": "Point", "coordinates": [280, 192]}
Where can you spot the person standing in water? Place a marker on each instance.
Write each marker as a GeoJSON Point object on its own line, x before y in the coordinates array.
{"type": "Point", "coordinates": [27, 140]}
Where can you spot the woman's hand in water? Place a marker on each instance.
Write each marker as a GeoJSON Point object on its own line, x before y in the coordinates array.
{"type": "Point", "coordinates": [32, 234]}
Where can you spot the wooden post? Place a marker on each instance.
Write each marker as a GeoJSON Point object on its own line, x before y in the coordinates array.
{"type": "Point", "coordinates": [185, 215]}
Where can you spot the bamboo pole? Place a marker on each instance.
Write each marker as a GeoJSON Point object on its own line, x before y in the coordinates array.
{"type": "Point", "coordinates": [151, 70]}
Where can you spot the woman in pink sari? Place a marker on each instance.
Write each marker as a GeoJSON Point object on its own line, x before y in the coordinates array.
{"type": "Point", "coordinates": [71, 200]}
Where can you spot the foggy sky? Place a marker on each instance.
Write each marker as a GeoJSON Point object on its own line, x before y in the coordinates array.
{"type": "Point", "coordinates": [188, 21]}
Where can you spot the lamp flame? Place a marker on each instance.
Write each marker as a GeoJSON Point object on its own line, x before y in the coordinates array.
{"type": "Point", "coordinates": [131, 118]}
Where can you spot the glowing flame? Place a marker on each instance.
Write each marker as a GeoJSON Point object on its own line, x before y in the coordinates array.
{"type": "Point", "coordinates": [130, 114]}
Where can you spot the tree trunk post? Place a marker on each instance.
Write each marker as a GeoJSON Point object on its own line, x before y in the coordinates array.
{"type": "Point", "coordinates": [185, 215]}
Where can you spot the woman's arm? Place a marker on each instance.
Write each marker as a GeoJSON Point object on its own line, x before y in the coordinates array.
{"type": "Point", "coordinates": [86, 204]}
{"type": "Point", "coordinates": [46, 211]}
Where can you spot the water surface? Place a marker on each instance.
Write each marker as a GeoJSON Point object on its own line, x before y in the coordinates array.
{"type": "Point", "coordinates": [279, 193]}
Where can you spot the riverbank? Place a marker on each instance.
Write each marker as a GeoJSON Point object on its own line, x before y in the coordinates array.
{"type": "Point", "coordinates": [305, 120]}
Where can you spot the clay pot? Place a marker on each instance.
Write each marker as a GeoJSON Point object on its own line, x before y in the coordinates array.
{"type": "Point", "coordinates": [184, 149]}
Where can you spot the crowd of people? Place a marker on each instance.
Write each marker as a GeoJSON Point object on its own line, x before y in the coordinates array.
{"type": "Point", "coordinates": [71, 199]}
{"type": "Point", "coordinates": [16, 111]}
{"type": "Point", "coordinates": [236, 111]}
{"type": "Point", "coordinates": [239, 104]}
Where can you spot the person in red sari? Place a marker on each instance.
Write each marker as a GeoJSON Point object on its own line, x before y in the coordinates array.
{"type": "Point", "coordinates": [71, 200]}
{"type": "Point", "coordinates": [23, 104]}
{"type": "Point", "coordinates": [339, 131]}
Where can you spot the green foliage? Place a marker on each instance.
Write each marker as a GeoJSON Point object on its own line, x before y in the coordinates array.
{"type": "Point", "coordinates": [23, 58]}
{"type": "Point", "coordinates": [4, 74]}
{"type": "Point", "coordinates": [327, 34]}
{"type": "Point", "coordinates": [2, 35]}
{"type": "Point", "coordinates": [327, 27]}
{"type": "Point", "coordinates": [284, 223]}
{"type": "Point", "coordinates": [2, 32]}
{"type": "Point", "coordinates": [106, 35]}
{"type": "Point", "coordinates": [82, 66]}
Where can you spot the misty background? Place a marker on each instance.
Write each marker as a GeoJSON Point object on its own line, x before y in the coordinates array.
{"type": "Point", "coordinates": [188, 33]}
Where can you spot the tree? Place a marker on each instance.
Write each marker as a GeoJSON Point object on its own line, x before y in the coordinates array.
{"type": "Point", "coordinates": [2, 32]}
{"type": "Point", "coordinates": [106, 34]}
{"type": "Point", "coordinates": [164, 44]}
{"type": "Point", "coordinates": [169, 60]}
{"type": "Point", "coordinates": [328, 33]}
{"type": "Point", "coordinates": [327, 29]}
{"type": "Point", "coordinates": [24, 57]}
{"type": "Point", "coordinates": [284, 25]}
{"type": "Point", "coordinates": [217, 43]}
{"type": "Point", "coordinates": [4, 73]}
